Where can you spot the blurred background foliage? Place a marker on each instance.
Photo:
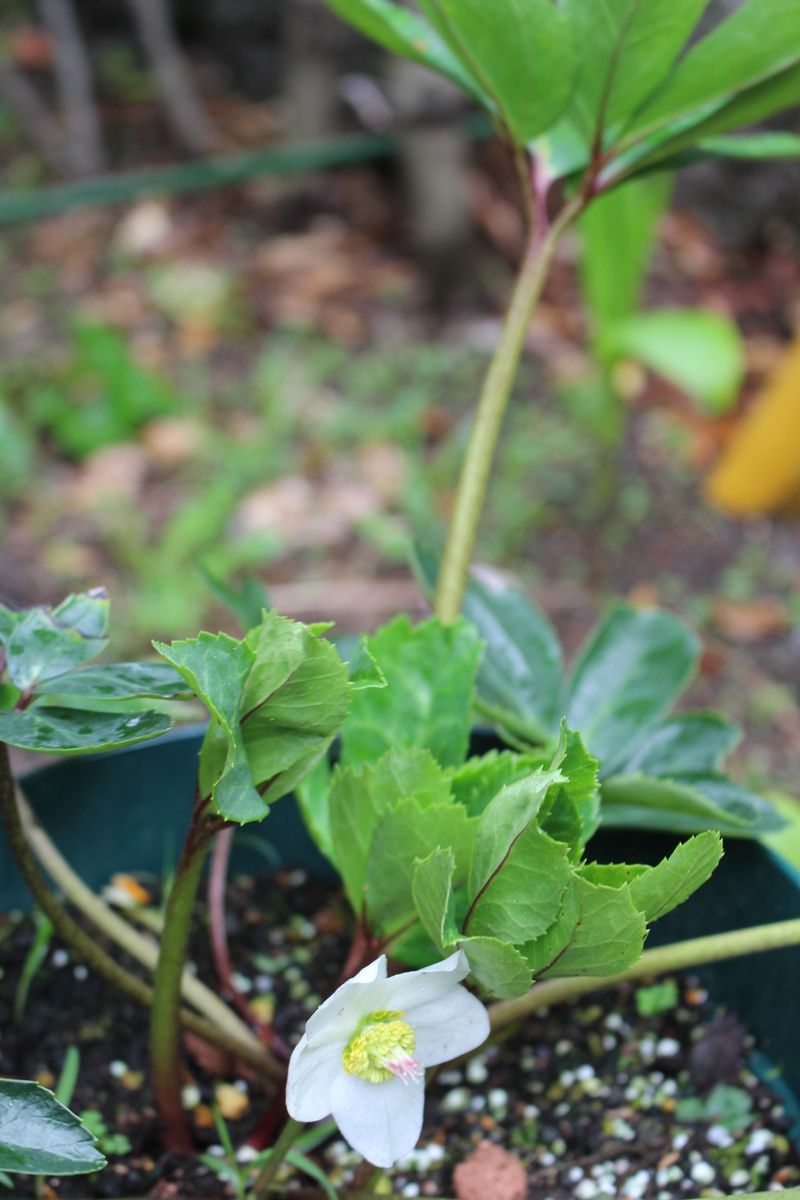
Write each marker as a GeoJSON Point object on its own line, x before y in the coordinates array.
{"type": "Point", "coordinates": [273, 378]}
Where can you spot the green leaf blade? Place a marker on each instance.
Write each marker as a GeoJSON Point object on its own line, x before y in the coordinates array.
{"type": "Point", "coordinates": [39, 1136]}
{"type": "Point", "coordinates": [430, 672]}
{"type": "Point", "coordinates": [634, 665]}
{"type": "Point", "coordinates": [520, 51]}
{"type": "Point", "coordinates": [70, 731]}
{"type": "Point", "coordinates": [407, 34]}
{"type": "Point", "coordinates": [657, 891]}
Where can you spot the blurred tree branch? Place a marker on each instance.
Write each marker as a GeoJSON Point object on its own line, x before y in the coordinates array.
{"type": "Point", "coordinates": [34, 117]}
{"type": "Point", "coordinates": [183, 106]}
{"type": "Point", "coordinates": [84, 143]}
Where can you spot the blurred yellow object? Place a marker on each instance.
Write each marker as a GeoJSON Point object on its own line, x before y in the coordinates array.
{"type": "Point", "coordinates": [760, 469]}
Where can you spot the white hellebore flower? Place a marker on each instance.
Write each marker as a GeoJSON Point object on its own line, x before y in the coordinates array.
{"type": "Point", "coordinates": [363, 1055]}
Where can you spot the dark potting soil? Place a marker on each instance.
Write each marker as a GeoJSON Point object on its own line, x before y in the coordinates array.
{"type": "Point", "coordinates": [639, 1093]}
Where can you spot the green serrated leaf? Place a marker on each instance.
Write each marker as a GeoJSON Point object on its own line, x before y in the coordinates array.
{"type": "Point", "coordinates": [505, 820]}
{"type": "Point", "coordinates": [405, 833]}
{"type": "Point", "coordinates": [599, 931]}
{"type": "Point", "coordinates": [580, 793]}
{"type": "Point", "coordinates": [634, 665]}
{"type": "Point", "coordinates": [71, 731]}
{"type": "Point", "coordinates": [613, 875]}
{"type": "Point", "coordinates": [362, 793]}
{"type": "Point", "coordinates": [296, 723]}
{"type": "Point", "coordinates": [520, 52]}
{"type": "Point", "coordinates": [498, 969]}
{"type": "Point", "coordinates": [657, 891]}
{"type": "Point", "coordinates": [39, 1136]}
{"type": "Point", "coordinates": [430, 671]}
{"type": "Point", "coordinates": [364, 670]}
{"type": "Point", "coordinates": [477, 781]}
{"type": "Point", "coordinates": [217, 668]}
{"type": "Point", "coordinates": [432, 890]}
{"type": "Point", "coordinates": [522, 897]}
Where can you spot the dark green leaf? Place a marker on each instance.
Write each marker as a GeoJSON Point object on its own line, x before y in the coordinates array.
{"type": "Point", "coordinates": [757, 41]}
{"type": "Point", "coordinates": [675, 144]}
{"type": "Point", "coordinates": [70, 731]}
{"type": "Point", "coordinates": [39, 1136]}
{"type": "Point", "coordinates": [519, 51]}
{"type": "Point", "coordinates": [664, 887]}
{"type": "Point", "coordinates": [119, 681]}
{"type": "Point", "coordinates": [521, 669]}
{"type": "Point", "coordinates": [627, 48]}
{"type": "Point", "coordinates": [430, 671]}
{"type": "Point", "coordinates": [86, 612]}
{"type": "Point", "coordinates": [634, 665]}
{"type": "Point", "coordinates": [755, 146]}
{"type": "Point", "coordinates": [686, 804]}
{"type": "Point", "coordinates": [685, 743]}
{"type": "Point", "coordinates": [407, 34]}
{"type": "Point", "coordinates": [40, 648]}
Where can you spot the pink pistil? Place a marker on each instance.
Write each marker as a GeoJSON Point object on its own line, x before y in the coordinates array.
{"type": "Point", "coordinates": [408, 1070]}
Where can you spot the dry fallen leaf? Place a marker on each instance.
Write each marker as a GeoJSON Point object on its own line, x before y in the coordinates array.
{"type": "Point", "coordinates": [751, 620]}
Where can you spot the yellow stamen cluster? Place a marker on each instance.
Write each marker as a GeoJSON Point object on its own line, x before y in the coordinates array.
{"type": "Point", "coordinates": [380, 1038]}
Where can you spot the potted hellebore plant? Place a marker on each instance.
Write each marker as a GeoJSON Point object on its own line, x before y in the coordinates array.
{"type": "Point", "coordinates": [462, 860]}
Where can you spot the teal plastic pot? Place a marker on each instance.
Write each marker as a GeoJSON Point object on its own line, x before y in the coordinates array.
{"type": "Point", "coordinates": [128, 811]}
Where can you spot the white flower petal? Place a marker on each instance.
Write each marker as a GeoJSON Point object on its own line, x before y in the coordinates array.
{"type": "Point", "coordinates": [382, 1121]}
{"type": "Point", "coordinates": [337, 1017]}
{"type": "Point", "coordinates": [452, 1025]}
{"type": "Point", "coordinates": [313, 1071]}
{"type": "Point", "coordinates": [414, 988]}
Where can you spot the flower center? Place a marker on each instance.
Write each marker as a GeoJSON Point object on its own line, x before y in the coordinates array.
{"type": "Point", "coordinates": [382, 1047]}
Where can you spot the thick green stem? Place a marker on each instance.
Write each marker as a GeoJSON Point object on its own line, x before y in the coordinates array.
{"type": "Point", "coordinates": [477, 468]}
{"type": "Point", "coordinates": [266, 1179]}
{"type": "Point", "coordinates": [679, 956]}
{"type": "Point", "coordinates": [165, 1031]}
